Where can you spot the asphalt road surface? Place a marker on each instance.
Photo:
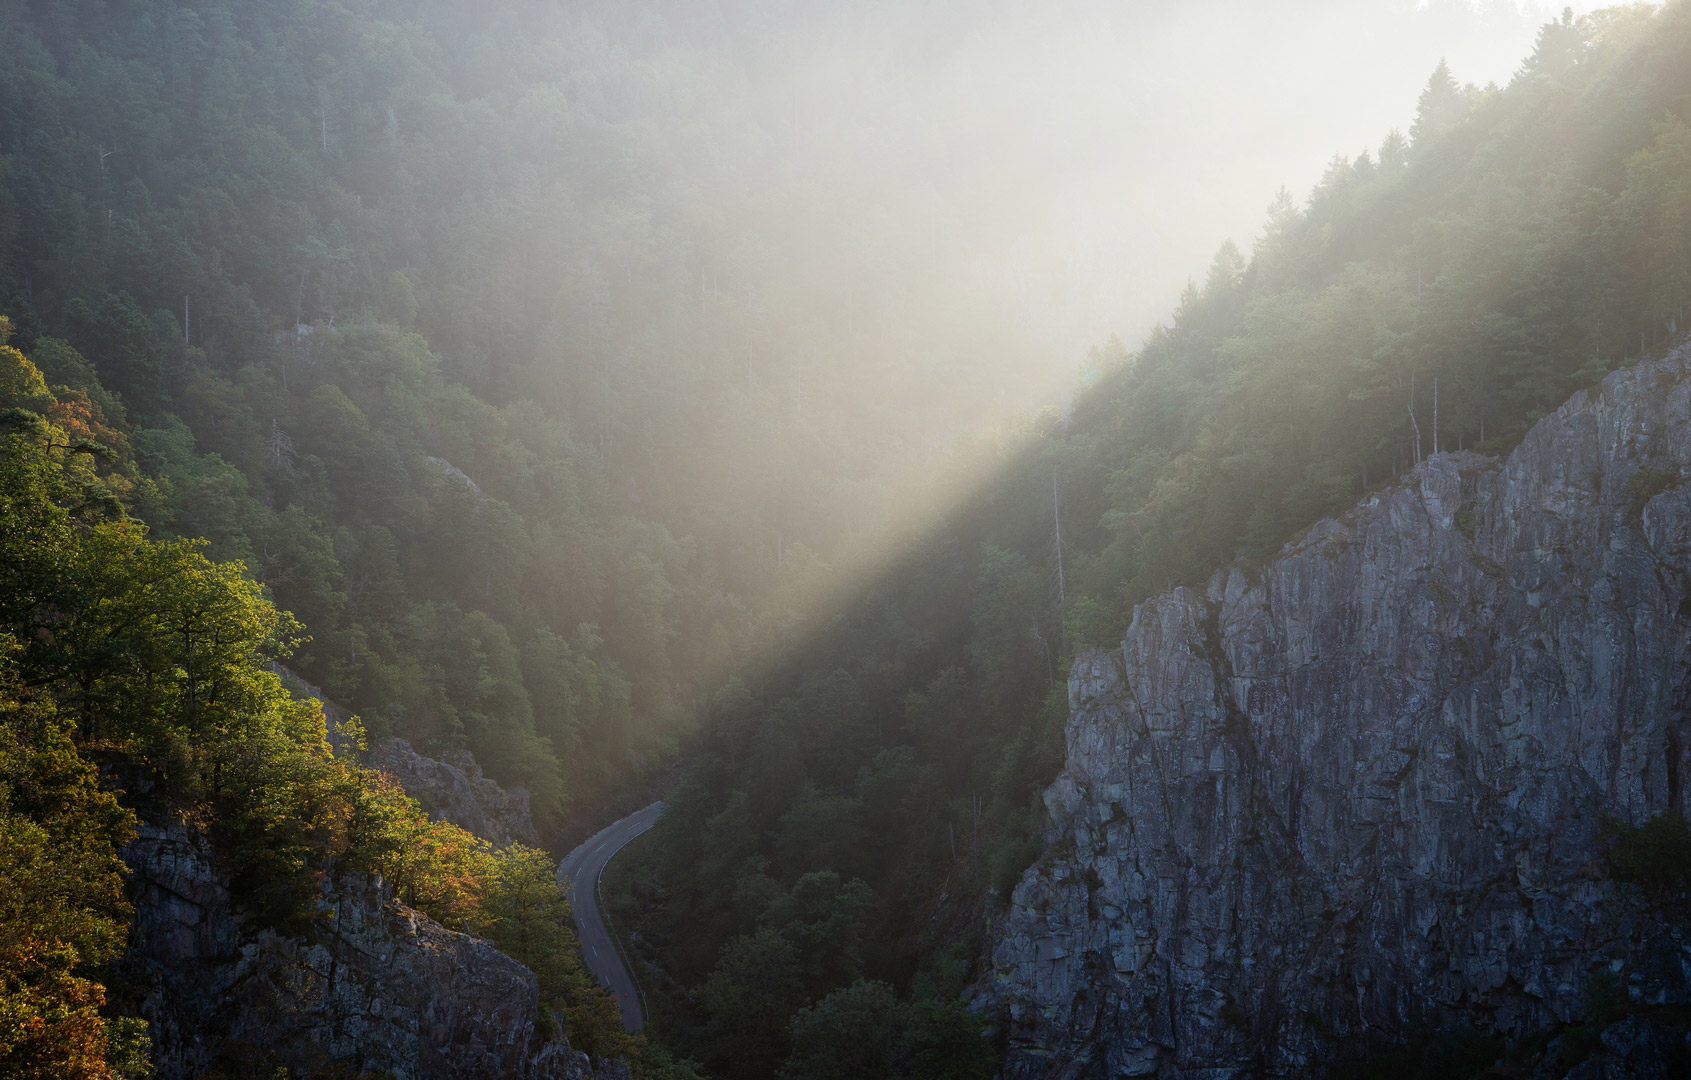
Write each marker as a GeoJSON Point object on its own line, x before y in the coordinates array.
{"type": "Point", "coordinates": [579, 875]}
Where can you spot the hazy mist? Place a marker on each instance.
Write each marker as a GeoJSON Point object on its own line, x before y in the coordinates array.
{"type": "Point", "coordinates": [973, 195]}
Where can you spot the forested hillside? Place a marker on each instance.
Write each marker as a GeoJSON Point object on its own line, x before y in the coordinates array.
{"type": "Point", "coordinates": [848, 826]}
{"type": "Point", "coordinates": [403, 307]}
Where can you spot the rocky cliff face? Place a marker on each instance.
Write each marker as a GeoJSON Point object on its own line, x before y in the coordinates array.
{"type": "Point", "coordinates": [455, 790]}
{"type": "Point", "coordinates": [1361, 788]}
{"type": "Point", "coordinates": [373, 988]}
{"type": "Point", "coordinates": [452, 790]}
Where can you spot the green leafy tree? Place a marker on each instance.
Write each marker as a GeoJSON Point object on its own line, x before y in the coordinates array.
{"type": "Point", "coordinates": [856, 1031]}
{"type": "Point", "coordinates": [755, 989]}
{"type": "Point", "coordinates": [528, 918]}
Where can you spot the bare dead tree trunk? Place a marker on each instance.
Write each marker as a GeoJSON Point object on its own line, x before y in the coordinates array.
{"type": "Point", "coordinates": [1412, 421]}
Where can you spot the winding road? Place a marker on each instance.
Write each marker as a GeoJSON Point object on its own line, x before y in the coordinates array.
{"type": "Point", "coordinates": [579, 875]}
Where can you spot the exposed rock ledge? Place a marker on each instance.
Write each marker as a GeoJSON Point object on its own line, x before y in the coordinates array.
{"type": "Point", "coordinates": [455, 790]}
{"type": "Point", "coordinates": [376, 988]}
{"type": "Point", "coordinates": [1361, 788]}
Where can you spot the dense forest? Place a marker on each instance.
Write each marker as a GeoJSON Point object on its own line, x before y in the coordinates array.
{"type": "Point", "coordinates": [849, 824]}
{"type": "Point", "coordinates": [398, 306]}
{"type": "Point", "coordinates": [381, 339]}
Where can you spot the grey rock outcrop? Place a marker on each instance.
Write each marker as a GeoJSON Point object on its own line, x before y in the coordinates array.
{"type": "Point", "coordinates": [452, 790]}
{"type": "Point", "coordinates": [1361, 788]}
{"type": "Point", "coordinates": [374, 987]}
{"type": "Point", "coordinates": [455, 790]}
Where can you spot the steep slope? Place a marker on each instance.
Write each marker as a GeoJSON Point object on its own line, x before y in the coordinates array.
{"type": "Point", "coordinates": [378, 987]}
{"type": "Point", "coordinates": [1362, 788]}
{"type": "Point", "coordinates": [455, 790]}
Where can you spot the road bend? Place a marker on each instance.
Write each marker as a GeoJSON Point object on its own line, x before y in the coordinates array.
{"type": "Point", "coordinates": [579, 875]}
